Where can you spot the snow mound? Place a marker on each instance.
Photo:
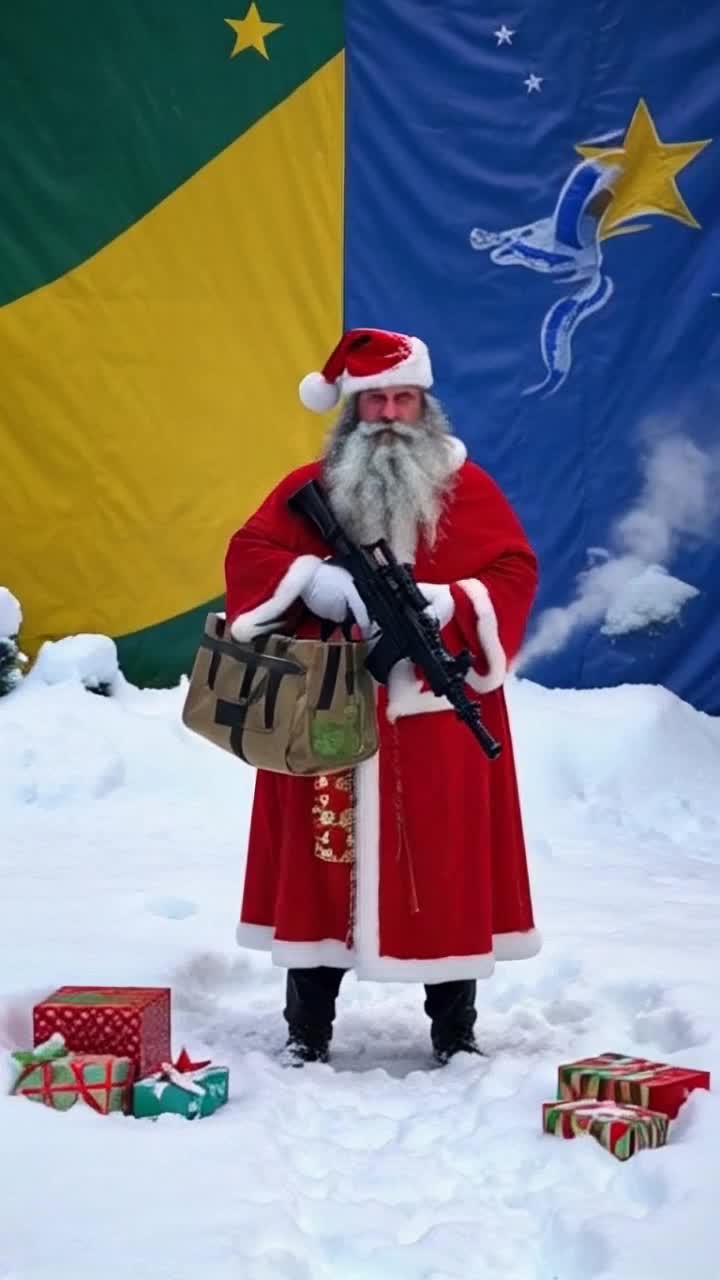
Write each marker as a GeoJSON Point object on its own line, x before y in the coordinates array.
{"type": "Point", "coordinates": [121, 847]}
{"type": "Point", "coordinates": [637, 754]}
{"type": "Point", "coordinates": [90, 660]}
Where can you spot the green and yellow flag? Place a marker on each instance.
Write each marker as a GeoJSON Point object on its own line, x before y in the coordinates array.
{"type": "Point", "coordinates": [170, 267]}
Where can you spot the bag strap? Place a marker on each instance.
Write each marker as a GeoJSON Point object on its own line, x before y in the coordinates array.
{"type": "Point", "coordinates": [327, 628]}
{"type": "Point", "coordinates": [233, 714]}
{"type": "Point", "coordinates": [252, 656]}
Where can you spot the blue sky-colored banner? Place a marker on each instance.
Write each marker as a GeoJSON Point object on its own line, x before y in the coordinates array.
{"type": "Point", "coordinates": [535, 191]}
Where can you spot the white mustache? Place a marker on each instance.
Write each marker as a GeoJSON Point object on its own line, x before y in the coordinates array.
{"type": "Point", "coordinates": [370, 429]}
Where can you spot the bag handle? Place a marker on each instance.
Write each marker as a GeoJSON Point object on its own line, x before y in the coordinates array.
{"type": "Point", "coordinates": [254, 657]}
{"type": "Point", "coordinates": [327, 628]}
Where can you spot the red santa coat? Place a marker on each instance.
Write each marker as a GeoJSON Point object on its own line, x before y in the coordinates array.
{"type": "Point", "coordinates": [438, 888]}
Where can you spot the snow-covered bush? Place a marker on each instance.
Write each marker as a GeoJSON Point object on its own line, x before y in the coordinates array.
{"type": "Point", "coordinates": [90, 660]}
{"type": "Point", "coordinates": [10, 656]}
{"type": "Point", "coordinates": [87, 659]}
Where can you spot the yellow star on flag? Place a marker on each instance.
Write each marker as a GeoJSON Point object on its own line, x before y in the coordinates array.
{"type": "Point", "coordinates": [646, 181]}
{"type": "Point", "coordinates": [250, 32]}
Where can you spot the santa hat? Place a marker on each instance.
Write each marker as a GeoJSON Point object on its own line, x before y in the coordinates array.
{"type": "Point", "coordinates": [367, 358]}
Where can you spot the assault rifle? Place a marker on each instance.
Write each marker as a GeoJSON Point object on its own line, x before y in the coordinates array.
{"type": "Point", "coordinates": [397, 606]}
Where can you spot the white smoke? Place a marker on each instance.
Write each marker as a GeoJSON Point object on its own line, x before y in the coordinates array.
{"type": "Point", "coordinates": [629, 587]}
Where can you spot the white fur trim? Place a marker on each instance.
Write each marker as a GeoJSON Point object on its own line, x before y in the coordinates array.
{"type": "Point", "coordinates": [317, 393]}
{"type": "Point", "coordinates": [414, 371]}
{"type": "Point", "coordinates": [258, 937]}
{"type": "Point", "coordinates": [294, 955]}
{"type": "Point", "coordinates": [517, 946]}
{"type": "Point", "coordinates": [506, 946]}
{"type": "Point", "coordinates": [447, 969]}
{"type": "Point", "coordinates": [367, 863]}
{"type": "Point", "coordinates": [441, 602]}
{"type": "Point", "coordinates": [269, 614]}
{"type": "Point", "coordinates": [487, 632]}
{"type": "Point", "coordinates": [406, 696]}
{"type": "Point", "coordinates": [458, 451]}
{"type": "Point", "coordinates": [330, 951]}
{"type": "Point", "coordinates": [306, 955]}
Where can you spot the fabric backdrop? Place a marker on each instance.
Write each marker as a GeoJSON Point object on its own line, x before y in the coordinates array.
{"type": "Point", "coordinates": [580, 144]}
{"type": "Point", "coordinates": [195, 205]}
{"type": "Point", "coordinates": [170, 250]}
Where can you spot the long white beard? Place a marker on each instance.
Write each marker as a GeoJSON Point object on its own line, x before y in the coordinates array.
{"type": "Point", "coordinates": [393, 490]}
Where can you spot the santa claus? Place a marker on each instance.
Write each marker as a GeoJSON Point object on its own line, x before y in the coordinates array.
{"type": "Point", "coordinates": [411, 867]}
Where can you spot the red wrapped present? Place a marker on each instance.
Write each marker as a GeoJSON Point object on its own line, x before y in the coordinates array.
{"type": "Point", "coordinates": [132, 1022]}
{"type": "Point", "coordinates": [621, 1129]}
{"type": "Point", "coordinates": [615, 1077]}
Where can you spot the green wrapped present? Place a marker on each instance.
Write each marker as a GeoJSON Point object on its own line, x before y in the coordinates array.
{"type": "Point", "coordinates": [182, 1088]}
{"type": "Point", "coordinates": [50, 1074]}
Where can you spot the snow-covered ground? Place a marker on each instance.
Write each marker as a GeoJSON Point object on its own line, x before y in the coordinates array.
{"type": "Point", "coordinates": [121, 841]}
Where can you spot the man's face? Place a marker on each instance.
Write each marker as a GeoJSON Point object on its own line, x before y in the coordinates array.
{"type": "Point", "coordinates": [390, 404]}
{"type": "Point", "coordinates": [389, 467]}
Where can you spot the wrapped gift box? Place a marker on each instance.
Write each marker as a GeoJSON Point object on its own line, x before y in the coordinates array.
{"type": "Point", "coordinates": [52, 1075]}
{"type": "Point", "coordinates": [622, 1129]}
{"type": "Point", "coordinates": [128, 1022]}
{"type": "Point", "coordinates": [615, 1077]}
{"type": "Point", "coordinates": [186, 1089]}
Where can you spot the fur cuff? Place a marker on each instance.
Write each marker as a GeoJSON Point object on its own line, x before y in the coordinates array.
{"type": "Point", "coordinates": [268, 615]}
{"type": "Point", "coordinates": [487, 632]}
{"type": "Point", "coordinates": [406, 696]}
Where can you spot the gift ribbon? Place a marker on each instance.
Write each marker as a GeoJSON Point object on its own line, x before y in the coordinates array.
{"type": "Point", "coordinates": [177, 1073]}
{"type": "Point", "coordinates": [184, 1063]}
{"type": "Point", "coordinates": [171, 1075]}
{"type": "Point", "coordinates": [80, 1085]}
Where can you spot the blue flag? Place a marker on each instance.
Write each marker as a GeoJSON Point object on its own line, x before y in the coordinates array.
{"type": "Point", "coordinates": [535, 193]}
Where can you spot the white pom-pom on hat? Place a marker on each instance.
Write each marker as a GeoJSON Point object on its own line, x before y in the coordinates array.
{"type": "Point", "coordinates": [317, 393]}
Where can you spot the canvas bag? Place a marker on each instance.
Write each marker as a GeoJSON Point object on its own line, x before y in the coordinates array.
{"type": "Point", "coordinates": [281, 703]}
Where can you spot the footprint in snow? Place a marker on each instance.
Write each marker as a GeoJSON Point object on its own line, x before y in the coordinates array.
{"type": "Point", "coordinates": [655, 1021]}
{"type": "Point", "coordinates": [171, 908]}
{"type": "Point", "coordinates": [672, 1029]}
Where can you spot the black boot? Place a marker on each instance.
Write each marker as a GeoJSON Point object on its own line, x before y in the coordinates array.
{"type": "Point", "coordinates": [310, 1012]}
{"type": "Point", "coordinates": [451, 1008]}
{"type": "Point", "coordinates": [301, 1048]}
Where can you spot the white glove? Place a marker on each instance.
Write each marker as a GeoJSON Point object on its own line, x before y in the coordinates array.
{"type": "Point", "coordinates": [441, 605]}
{"type": "Point", "coordinates": [331, 592]}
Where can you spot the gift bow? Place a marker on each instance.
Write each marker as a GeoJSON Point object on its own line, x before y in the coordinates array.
{"type": "Point", "coordinates": [177, 1073]}
{"type": "Point", "coordinates": [48, 1051]}
{"type": "Point", "coordinates": [184, 1063]}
